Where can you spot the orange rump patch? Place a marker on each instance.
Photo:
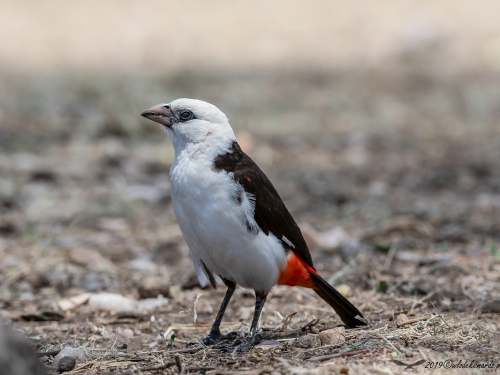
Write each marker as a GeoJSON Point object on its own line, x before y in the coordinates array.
{"type": "Point", "coordinates": [296, 273]}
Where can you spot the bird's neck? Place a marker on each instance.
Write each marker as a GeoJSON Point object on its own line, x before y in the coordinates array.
{"type": "Point", "coordinates": [201, 152]}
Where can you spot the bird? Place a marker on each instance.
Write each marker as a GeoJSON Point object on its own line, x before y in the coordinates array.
{"type": "Point", "coordinates": [409, 366]}
{"type": "Point", "coordinates": [233, 220]}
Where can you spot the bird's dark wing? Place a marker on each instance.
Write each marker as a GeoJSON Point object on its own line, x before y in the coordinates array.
{"type": "Point", "coordinates": [270, 214]}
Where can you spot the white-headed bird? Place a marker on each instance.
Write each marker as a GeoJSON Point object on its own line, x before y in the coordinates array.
{"type": "Point", "coordinates": [232, 218]}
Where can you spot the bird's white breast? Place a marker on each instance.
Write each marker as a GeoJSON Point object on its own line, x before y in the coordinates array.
{"type": "Point", "coordinates": [214, 225]}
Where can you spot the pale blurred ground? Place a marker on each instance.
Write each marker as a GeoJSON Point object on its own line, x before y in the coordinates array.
{"type": "Point", "coordinates": [160, 37]}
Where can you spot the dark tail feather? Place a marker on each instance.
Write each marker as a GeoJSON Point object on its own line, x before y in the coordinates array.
{"type": "Point", "coordinates": [340, 304]}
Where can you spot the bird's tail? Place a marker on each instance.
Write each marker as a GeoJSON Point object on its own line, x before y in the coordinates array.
{"type": "Point", "coordinates": [349, 314]}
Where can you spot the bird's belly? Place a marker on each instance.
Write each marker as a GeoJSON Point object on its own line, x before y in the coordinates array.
{"type": "Point", "coordinates": [213, 225]}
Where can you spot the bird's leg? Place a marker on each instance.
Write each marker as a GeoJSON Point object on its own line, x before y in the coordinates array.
{"type": "Point", "coordinates": [254, 338]}
{"type": "Point", "coordinates": [215, 335]}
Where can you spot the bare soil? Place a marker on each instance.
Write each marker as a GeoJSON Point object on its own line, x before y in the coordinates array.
{"type": "Point", "coordinates": [403, 161]}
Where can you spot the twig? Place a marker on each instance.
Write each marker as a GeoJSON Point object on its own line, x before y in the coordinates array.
{"type": "Point", "coordinates": [309, 325]}
{"type": "Point", "coordinates": [421, 300]}
{"type": "Point", "coordinates": [178, 362]}
{"type": "Point", "coordinates": [390, 255]}
{"type": "Point", "coordinates": [195, 369]}
{"type": "Point", "coordinates": [185, 350]}
{"type": "Point", "coordinates": [195, 313]}
{"type": "Point", "coordinates": [466, 293]}
{"type": "Point", "coordinates": [339, 274]}
{"type": "Point", "coordinates": [286, 322]}
{"type": "Point", "coordinates": [414, 320]}
{"type": "Point", "coordinates": [390, 343]}
{"type": "Point", "coordinates": [346, 354]}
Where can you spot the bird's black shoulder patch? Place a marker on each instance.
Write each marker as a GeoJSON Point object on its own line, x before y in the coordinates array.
{"type": "Point", "coordinates": [228, 161]}
{"type": "Point", "coordinates": [271, 214]}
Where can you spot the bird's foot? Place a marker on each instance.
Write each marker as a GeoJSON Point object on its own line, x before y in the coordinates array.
{"type": "Point", "coordinates": [215, 336]}
{"type": "Point", "coordinates": [248, 342]}
{"type": "Point", "coordinates": [229, 336]}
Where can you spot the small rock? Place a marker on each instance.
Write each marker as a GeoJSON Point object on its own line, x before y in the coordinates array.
{"type": "Point", "coordinates": [307, 341]}
{"type": "Point", "coordinates": [121, 345]}
{"type": "Point", "coordinates": [269, 344]}
{"type": "Point", "coordinates": [408, 353]}
{"type": "Point", "coordinates": [345, 290]}
{"type": "Point", "coordinates": [149, 304]}
{"type": "Point", "coordinates": [43, 175]}
{"type": "Point", "coordinates": [491, 307]}
{"type": "Point", "coordinates": [85, 257]}
{"type": "Point", "coordinates": [112, 302]}
{"type": "Point", "coordinates": [401, 318]}
{"type": "Point", "coordinates": [7, 228]}
{"type": "Point", "coordinates": [66, 364]}
{"type": "Point", "coordinates": [76, 353]}
{"type": "Point", "coordinates": [145, 265]}
{"type": "Point", "coordinates": [126, 332]}
{"type": "Point", "coordinates": [152, 287]}
{"type": "Point", "coordinates": [350, 248]}
{"type": "Point", "coordinates": [332, 336]}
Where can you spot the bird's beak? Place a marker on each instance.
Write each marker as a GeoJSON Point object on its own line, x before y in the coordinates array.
{"type": "Point", "coordinates": [159, 113]}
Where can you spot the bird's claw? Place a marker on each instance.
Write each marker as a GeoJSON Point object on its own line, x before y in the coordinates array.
{"type": "Point", "coordinates": [248, 342]}
{"type": "Point", "coordinates": [229, 336]}
{"type": "Point", "coordinates": [215, 336]}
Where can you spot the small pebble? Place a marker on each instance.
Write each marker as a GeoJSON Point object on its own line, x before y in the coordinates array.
{"type": "Point", "coordinates": [307, 341]}
{"type": "Point", "coordinates": [66, 364]}
{"type": "Point", "coordinates": [492, 306]}
{"type": "Point", "coordinates": [345, 290]}
{"type": "Point", "coordinates": [152, 287]}
{"type": "Point", "coordinates": [401, 318]}
{"type": "Point", "coordinates": [76, 353]}
{"type": "Point", "coordinates": [112, 302]}
{"type": "Point", "coordinates": [332, 336]}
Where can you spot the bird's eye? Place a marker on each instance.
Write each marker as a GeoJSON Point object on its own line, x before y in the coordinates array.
{"type": "Point", "coordinates": [186, 115]}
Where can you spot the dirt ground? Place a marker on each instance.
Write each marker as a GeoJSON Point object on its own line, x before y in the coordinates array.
{"type": "Point", "coordinates": [392, 173]}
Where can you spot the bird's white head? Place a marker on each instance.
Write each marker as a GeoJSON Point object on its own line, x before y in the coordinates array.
{"type": "Point", "coordinates": [190, 121]}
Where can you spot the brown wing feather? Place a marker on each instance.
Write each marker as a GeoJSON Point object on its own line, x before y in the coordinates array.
{"type": "Point", "coordinates": [271, 214]}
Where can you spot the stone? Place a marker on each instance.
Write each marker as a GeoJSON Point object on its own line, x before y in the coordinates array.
{"type": "Point", "coordinates": [152, 287]}
{"type": "Point", "coordinates": [76, 353]}
{"type": "Point", "coordinates": [332, 336]}
{"type": "Point", "coordinates": [66, 364]}
{"type": "Point", "coordinates": [307, 341]}
{"type": "Point", "coordinates": [112, 302]}
{"type": "Point", "coordinates": [84, 256]}
{"type": "Point", "coordinates": [345, 290]}
{"type": "Point", "coordinates": [492, 306]}
{"type": "Point", "coordinates": [149, 304]}
{"type": "Point", "coordinates": [401, 318]}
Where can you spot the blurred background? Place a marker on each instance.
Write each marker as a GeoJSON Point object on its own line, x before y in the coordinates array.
{"type": "Point", "coordinates": [378, 122]}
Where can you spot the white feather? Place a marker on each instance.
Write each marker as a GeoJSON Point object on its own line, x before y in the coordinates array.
{"type": "Point", "coordinates": [213, 224]}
